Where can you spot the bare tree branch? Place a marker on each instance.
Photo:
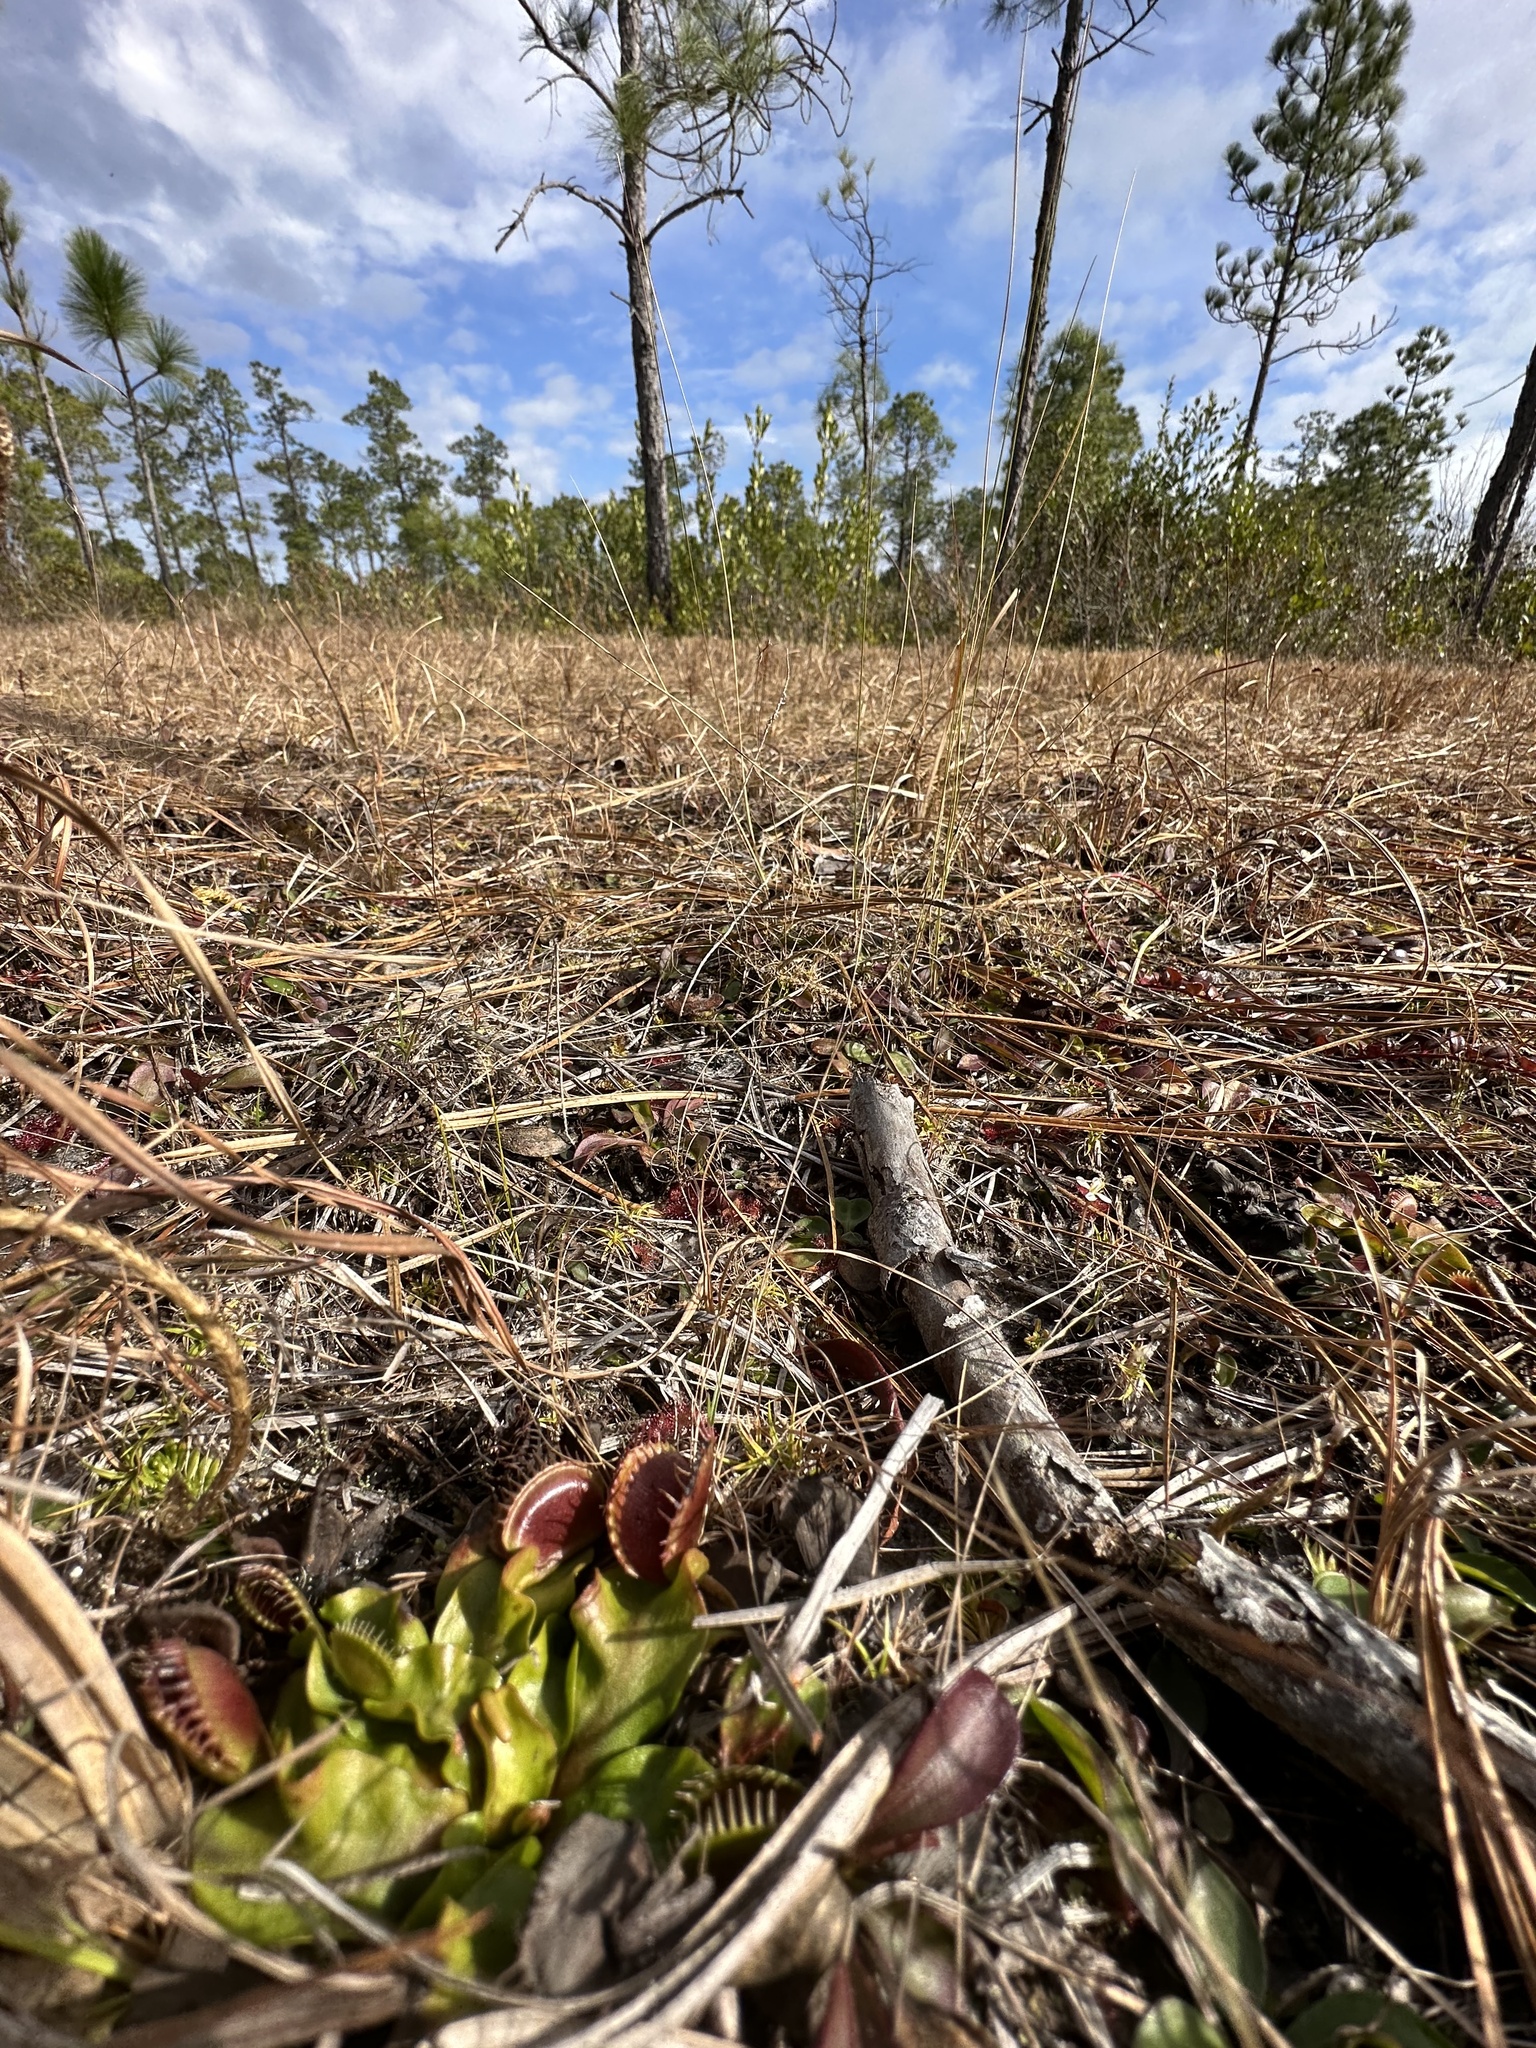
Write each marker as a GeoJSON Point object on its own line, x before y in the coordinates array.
{"type": "Point", "coordinates": [713, 197]}
{"type": "Point", "coordinates": [604, 206]}
{"type": "Point", "coordinates": [538, 33]}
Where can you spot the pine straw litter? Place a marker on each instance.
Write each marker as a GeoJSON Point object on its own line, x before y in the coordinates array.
{"type": "Point", "coordinates": [429, 1052]}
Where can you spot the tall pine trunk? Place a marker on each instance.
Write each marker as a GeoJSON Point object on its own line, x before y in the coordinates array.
{"type": "Point", "coordinates": [67, 482]}
{"type": "Point", "coordinates": [56, 446]}
{"type": "Point", "coordinates": [240, 504]}
{"type": "Point", "coordinates": [650, 405]}
{"type": "Point", "coordinates": [1273, 331]}
{"type": "Point", "coordinates": [1503, 502]}
{"type": "Point", "coordinates": [213, 508]}
{"type": "Point", "coordinates": [146, 471]}
{"type": "Point", "coordinates": [7, 472]}
{"type": "Point", "coordinates": [1058, 137]}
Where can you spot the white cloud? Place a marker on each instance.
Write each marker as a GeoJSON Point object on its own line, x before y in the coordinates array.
{"type": "Point", "coordinates": [321, 183]}
{"type": "Point", "coordinates": [947, 373]}
{"type": "Point", "coordinates": [915, 106]}
{"type": "Point", "coordinates": [385, 297]}
{"type": "Point", "coordinates": [343, 138]}
{"type": "Point", "coordinates": [769, 370]}
{"type": "Point", "coordinates": [563, 419]}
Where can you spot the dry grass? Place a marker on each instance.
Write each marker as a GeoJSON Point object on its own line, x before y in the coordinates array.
{"type": "Point", "coordinates": [1213, 983]}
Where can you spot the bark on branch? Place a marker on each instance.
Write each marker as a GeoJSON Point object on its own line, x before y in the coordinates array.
{"type": "Point", "coordinates": [1331, 1680]}
{"type": "Point", "coordinates": [997, 1402]}
{"type": "Point", "coordinates": [1338, 1685]}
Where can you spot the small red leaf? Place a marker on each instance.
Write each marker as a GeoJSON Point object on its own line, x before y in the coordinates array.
{"type": "Point", "coordinates": [42, 1133]}
{"type": "Point", "coordinates": [958, 1758]}
{"type": "Point", "coordinates": [605, 1141]}
{"type": "Point", "coordinates": [851, 1363]}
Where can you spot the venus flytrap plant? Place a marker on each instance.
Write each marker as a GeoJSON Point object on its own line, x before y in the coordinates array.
{"type": "Point", "coordinates": [898, 1981]}
{"type": "Point", "coordinates": [532, 1696]}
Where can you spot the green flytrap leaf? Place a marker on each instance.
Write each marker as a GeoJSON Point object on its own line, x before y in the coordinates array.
{"type": "Point", "coordinates": [519, 1739]}
{"type": "Point", "coordinates": [1225, 1963]}
{"type": "Point", "coordinates": [478, 1904]}
{"type": "Point", "coordinates": [1175, 2023]}
{"type": "Point", "coordinates": [636, 1648]}
{"type": "Point", "coordinates": [352, 1811]}
{"type": "Point", "coordinates": [1362, 2019]}
{"type": "Point", "coordinates": [758, 1728]}
{"type": "Point", "coordinates": [1472, 1563]}
{"type": "Point", "coordinates": [643, 1785]}
{"type": "Point", "coordinates": [1223, 1919]}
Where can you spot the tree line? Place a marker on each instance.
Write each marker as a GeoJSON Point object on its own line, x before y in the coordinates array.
{"type": "Point", "coordinates": [1088, 528]}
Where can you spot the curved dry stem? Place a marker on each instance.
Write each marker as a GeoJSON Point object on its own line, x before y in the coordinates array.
{"type": "Point", "coordinates": [223, 1352]}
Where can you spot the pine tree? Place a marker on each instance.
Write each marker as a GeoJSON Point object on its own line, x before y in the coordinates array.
{"type": "Point", "coordinates": [680, 93]}
{"type": "Point", "coordinates": [850, 281]}
{"type": "Point", "coordinates": [106, 301]}
{"type": "Point", "coordinates": [409, 480]}
{"type": "Point", "coordinates": [288, 463]}
{"type": "Point", "coordinates": [224, 421]}
{"type": "Point", "coordinates": [1381, 458]}
{"type": "Point", "coordinates": [1334, 187]}
{"type": "Point", "coordinates": [17, 294]}
{"type": "Point", "coordinates": [914, 453]}
{"type": "Point", "coordinates": [483, 466]}
{"type": "Point", "coordinates": [1084, 440]}
{"type": "Point", "coordinates": [1083, 41]}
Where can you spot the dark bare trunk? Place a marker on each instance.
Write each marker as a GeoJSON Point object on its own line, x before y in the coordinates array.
{"type": "Point", "coordinates": [213, 509]}
{"type": "Point", "coordinates": [1266, 358]}
{"type": "Point", "coordinates": [1503, 502]}
{"type": "Point", "coordinates": [245, 517]}
{"type": "Point", "coordinates": [7, 471]}
{"type": "Point", "coordinates": [1058, 137]}
{"type": "Point", "coordinates": [146, 471]}
{"type": "Point", "coordinates": [650, 405]}
{"type": "Point", "coordinates": [67, 483]}
{"type": "Point", "coordinates": [99, 485]}
{"type": "Point", "coordinates": [60, 459]}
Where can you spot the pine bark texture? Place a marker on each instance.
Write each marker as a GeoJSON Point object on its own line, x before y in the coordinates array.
{"type": "Point", "coordinates": [146, 472]}
{"type": "Point", "coordinates": [1504, 500]}
{"type": "Point", "coordinates": [1331, 1680]}
{"type": "Point", "coordinates": [649, 401]}
{"type": "Point", "coordinates": [7, 471]}
{"type": "Point", "coordinates": [1334, 1682]}
{"type": "Point", "coordinates": [1058, 137]}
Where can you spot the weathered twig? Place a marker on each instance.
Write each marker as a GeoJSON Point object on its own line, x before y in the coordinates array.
{"type": "Point", "coordinates": [801, 1633]}
{"type": "Point", "coordinates": [1333, 1681]}
{"type": "Point", "coordinates": [1023, 1445]}
{"type": "Point", "coordinates": [280, 2016]}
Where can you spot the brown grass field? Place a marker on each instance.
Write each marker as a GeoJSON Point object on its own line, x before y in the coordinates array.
{"type": "Point", "coordinates": [554, 959]}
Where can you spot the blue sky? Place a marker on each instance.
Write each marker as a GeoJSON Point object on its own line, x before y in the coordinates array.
{"type": "Point", "coordinates": [320, 183]}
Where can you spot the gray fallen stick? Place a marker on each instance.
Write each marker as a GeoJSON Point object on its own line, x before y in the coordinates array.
{"type": "Point", "coordinates": [801, 1633]}
{"type": "Point", "coordinates": [1333, 1681]}
{"type": "Point", "coordinates": [1019, 1441]}
{"type": "Point", "coordinates": [1327, 1677]}
{"type": "Point", "coordinates": [886, 1587]}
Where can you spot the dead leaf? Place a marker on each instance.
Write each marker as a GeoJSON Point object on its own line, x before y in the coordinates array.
{"type": "Point", "coordinates": [60, 1666]}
